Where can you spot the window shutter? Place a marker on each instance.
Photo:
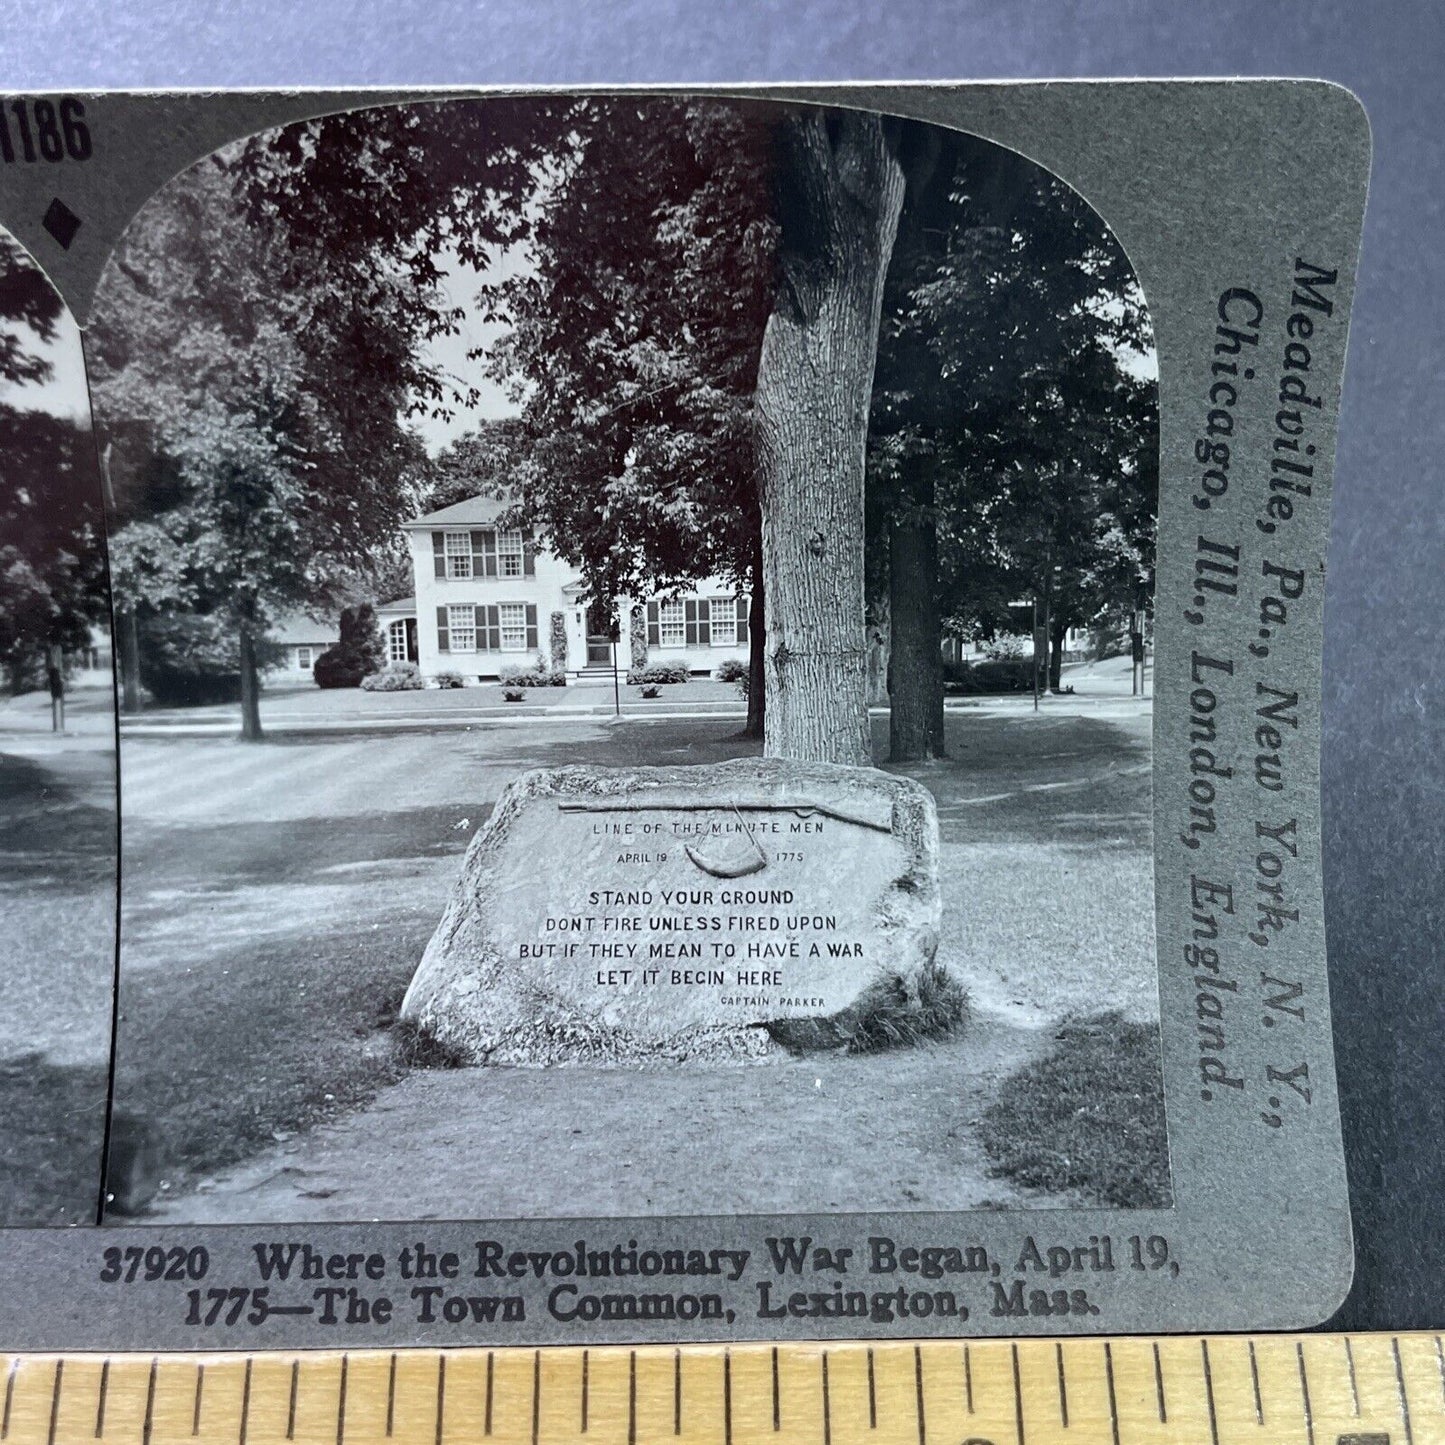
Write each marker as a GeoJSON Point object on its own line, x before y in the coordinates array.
{"type": "Point", "coordinates": [479, 621]}
{"type": "Point", "coordinates": [743, 635]}
{"type": "Point", "coordinates": [444, 637]}
{"type": "Point", "coordinates": [704, 623]}
{"type": "Point", "coordinates": [439, 553]}
{"type": "Point", "coordinates": [479, 560]}
{"type": "Point", "coordinates": [494, 628]}
{"type": "Point", "coordinates": [529, 554]}
{"type": "Point", "coordinates": [531, 626]}
{"type": "Point", "coordinates": [489, 550]}
{"type": "Point", "coordinates": [654, 631]}
{"type": "Point", "coordinates": [689, 612]}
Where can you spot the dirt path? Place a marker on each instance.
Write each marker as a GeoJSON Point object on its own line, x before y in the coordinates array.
{"type": "Point", "coordinates": [891, 1131]}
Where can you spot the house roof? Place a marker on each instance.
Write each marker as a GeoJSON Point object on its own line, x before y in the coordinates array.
{"type": "Point", "coordinates": [473, 512]}
{"type": "Point", "coordinates": [293, 628]}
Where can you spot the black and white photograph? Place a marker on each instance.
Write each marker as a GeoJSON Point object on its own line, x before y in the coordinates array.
{"type": "Point", "coordinates": [634, 649]}
{"type": "Point", "coordinates": [57, 765]}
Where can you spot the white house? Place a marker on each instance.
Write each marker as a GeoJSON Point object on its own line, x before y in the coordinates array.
{"type": "Point", "coordinates": [486, 597]}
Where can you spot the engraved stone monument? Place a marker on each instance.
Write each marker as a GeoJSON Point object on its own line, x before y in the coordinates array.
{"type": "Point", "coordinates": [672, 912]}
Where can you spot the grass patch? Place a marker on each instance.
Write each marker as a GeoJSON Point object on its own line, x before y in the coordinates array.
{"type": "Point", "coordinates": [886, 1017]}
{"type": "Point", "coordinates": [418, 1048]}
{"type": "Point", "coordinates": [225, 1061]}
{"type": "Point", "coordinates": [50, 1147]}
{"type": "Point", "coordinates": [1089, 1117]}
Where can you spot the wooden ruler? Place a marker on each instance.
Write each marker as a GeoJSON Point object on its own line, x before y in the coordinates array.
{"type": "Point", "coordinates": [1224, 1390]}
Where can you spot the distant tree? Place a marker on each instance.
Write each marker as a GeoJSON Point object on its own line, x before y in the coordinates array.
{"type": "Point", "coordinates": [357, 653]}
{"type": "Point", "coordinates": [253, 392]}
{"type": "Point", "coordinates": [52, 563]}
{"type": "Point", "coordinates": [1013, 438]}
{"type": "Point", "coordinates": [634, 346]}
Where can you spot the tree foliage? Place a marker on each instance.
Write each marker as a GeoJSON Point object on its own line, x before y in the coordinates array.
{"type": "Point", "coordinates": [52, 555]}
{"type": "Point", "coordinates": [634, 342]}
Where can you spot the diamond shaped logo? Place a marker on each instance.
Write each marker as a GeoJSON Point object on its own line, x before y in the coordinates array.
{"type": "Point", "coordinates": [61, 222]}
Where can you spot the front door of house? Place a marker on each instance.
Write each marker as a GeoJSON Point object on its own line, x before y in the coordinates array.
{"type": "Point", "coordinates": [599, 636]}
{"type": "Point", "coordinates": [412, 654]}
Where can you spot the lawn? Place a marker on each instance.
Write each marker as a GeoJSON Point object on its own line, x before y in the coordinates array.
{"type": "Point", "coordinates": [57, 957]}
{"type": "Point", "coordinates": [278, 897]}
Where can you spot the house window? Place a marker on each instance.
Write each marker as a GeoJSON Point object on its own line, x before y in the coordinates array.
{"type": "Point", "coordinates": [510, 554]}
{"type": "Point", "coordinates": [396, 642]}
{"type": "Point", "coordinates": [459, 554]}
{"type": "Point", "coordinates": [462, 625]}
{"type": "Point", "coordinates": [305, 658]}
{"type": "Point", "coordinates": [729, 621]}
{"type": "Point", "coordinates": [671, 624]}
{"type": "Point", "coordinates": [513, 619]}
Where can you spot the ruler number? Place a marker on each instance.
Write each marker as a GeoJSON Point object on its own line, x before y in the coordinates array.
{"type": "Point", "coordinates": [44, 130]}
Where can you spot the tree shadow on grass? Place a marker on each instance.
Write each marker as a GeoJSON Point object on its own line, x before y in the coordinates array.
{"type": "Point", "coordinates": [51, 1144]}
{"type": "Point", "coordinates": [1088, 1117]}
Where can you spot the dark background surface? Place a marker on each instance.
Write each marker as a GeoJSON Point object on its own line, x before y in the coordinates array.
{"type": "Point", "coordinates": [1384, 753]}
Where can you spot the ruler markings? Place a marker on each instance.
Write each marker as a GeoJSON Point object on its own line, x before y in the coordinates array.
{"type": "Point", "coordinates": [391, 1395]}
{"type": "Point", "coordinates": [1018, 1398]}
{"type": "Point", "coordinates": [100, 1402]}
{"type": "Point", "coordinates": [1400, 1383]}
{"type": "Point", "coordinates": [1350, 1367]}
{"type": "Point", "coordinates": [341, 1405]}
{"type": "Point", "coordinates": [1063, 1385]}
{"type": "Point", "coordinates": [536, 1395]}
{"type": "Point", "coordinates": [777, 1397]}
{"type": "Point", "coordinates": [1113, 1397]}
{"type": "Point", "coordinates": [47, 1399]}
{"type": "Point", "coordinates": [245, 1402]}
{"type": "Point", "coordinates": [1254, 1378]}
{"type": "Point", "coordinates": [1304, 1387]}
{"type": "Point", "coordinates": [149, 1422]}
{"type": "Point", "coordinates": [827, 1408]}
{"type": "Point", "coordinates": [55, 1401]}
{"type": "Point", "coordinates": [632, 1397]}
{"type": "Point", "coordinates": [918, 1393]}
{"type": "Point", "coordinates": [1209, 1392]}
{"type": "Point", "coordinates": [441, 1396]}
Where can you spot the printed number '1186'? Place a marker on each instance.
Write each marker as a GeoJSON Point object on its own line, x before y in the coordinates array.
{"type": "Point", "coordinates": [44, 130]}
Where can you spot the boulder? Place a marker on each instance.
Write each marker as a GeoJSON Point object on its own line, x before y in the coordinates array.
{"type": "Point", "coordinates": [677, 913]}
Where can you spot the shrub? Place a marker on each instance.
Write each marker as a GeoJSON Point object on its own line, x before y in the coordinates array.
{"type": "Point", "coordinates": [534, 674]}
{"type": "Point", "coordinates": [652, 689]}
{"type": "Point", "coordinates": [557, 640]}
{"type": "Point", "coordinates": [399, 677]}
{"type": "Point", "coordinates": [514, 694]}
{"type": "Point", "coordinates": [450, 679]}
{"type": "Point", "coordinates": [731, 669]}
{"type": "Point", "coordinates": [358, 653]}
{"type": "Point", "coordinates": [189, 660]}
{"type": "Point", "coordinates": [1008, 647]}
{"type": "Point", "coordinates": [657, 672]}
{"type": "Point", "coordinates": [981, 678]}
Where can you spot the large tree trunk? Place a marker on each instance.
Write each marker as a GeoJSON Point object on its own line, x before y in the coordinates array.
{"type": "Point", "coordinates": [915, 658]}
{"type": "Point", "coordinates": [757, 647]}
{"type": "Point", "coordinates": [127, 632]}
{"type": "Point", "coordinates": [1059, 631]}
{"type": "Point", "coordinates": [841, 192]}
{"type": "Point", "coordinates": [250, 686]}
